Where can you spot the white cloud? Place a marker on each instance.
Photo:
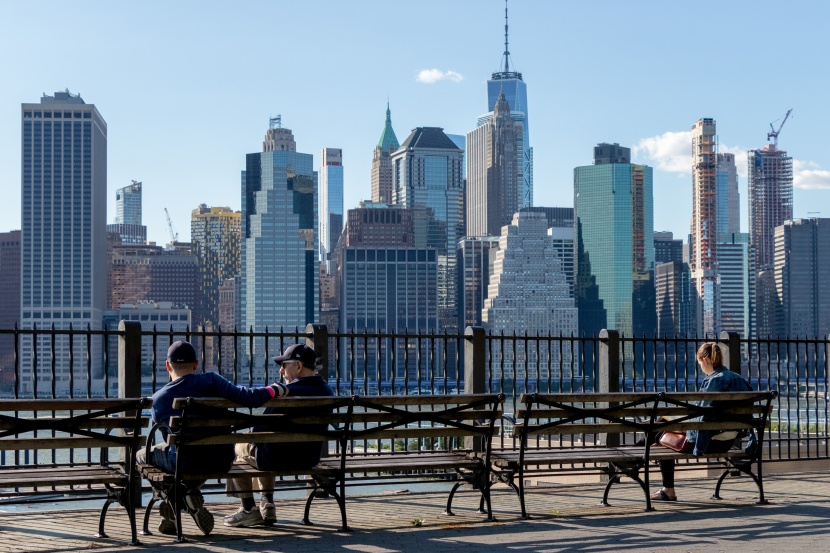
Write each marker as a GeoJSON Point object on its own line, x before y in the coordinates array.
{"type": "Point", "coordinates": [430, 76]}
{"type": "Point", "coordinates": [670, 151]}
{"type": "Point", "coordinates": [808, 176]}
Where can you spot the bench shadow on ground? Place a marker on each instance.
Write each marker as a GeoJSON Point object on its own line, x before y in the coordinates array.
{"type": "Point", "coordinates": [385, 524]}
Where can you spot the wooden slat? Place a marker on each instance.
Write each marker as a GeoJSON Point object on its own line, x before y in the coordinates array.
{"type": "Point", "coordinates": [47, 443]}
{"type": "Point", "coordinates": [426, 416]}
{"type": "Point", "coordinates": [446, 399]}
{"type": "Point", "coordinates": [590, 397]}
{"type": "Point", "coordinates": [631, 412]}
{"type": "Point", "coordinates": [287, 402]}
{"type": "Point", "coordinates": [67, 404]}
{"type": "Point", "coordinates": [96, 423]}
{"type": "Point", "coordinates": [259, 420]}
{"type": "Point", "coordinates": [35, 477]}
{"type": "Point", "coordinates": [580, 428]}
{"type": "Point", "coordinates": [248, 437]}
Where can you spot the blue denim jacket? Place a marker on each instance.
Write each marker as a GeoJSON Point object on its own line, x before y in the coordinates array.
{"type": "Point", "coordinates": [721, 380]}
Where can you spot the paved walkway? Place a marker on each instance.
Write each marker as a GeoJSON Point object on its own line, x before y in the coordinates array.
{"type": "Point", "coordinates": [565, 518]}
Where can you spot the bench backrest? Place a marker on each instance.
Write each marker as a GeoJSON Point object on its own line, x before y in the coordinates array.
{"type": "Point", "coordinates": [51, 424]}
{"type": "Point", "coordinates": [618, 413]}
{"type": "Point", "coordinates": [214, 421]}
{"type": "Point", "coordinates": [392, 423]}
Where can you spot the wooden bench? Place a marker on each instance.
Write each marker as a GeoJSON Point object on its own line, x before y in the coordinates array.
{"type": "Point", "coordinates": [578, 432]}
{"type": "Point", "coordinates": [444, 437]}
{"type": "Point", "coordinates": [213, 421]}
{"type": "Point", "coordinates": [374, 437]}
{"type": "Point", "coordinates": [48, 439]}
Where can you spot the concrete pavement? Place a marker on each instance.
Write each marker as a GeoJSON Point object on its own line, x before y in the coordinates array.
{"type": "Point", "coordinates": [565, 518]}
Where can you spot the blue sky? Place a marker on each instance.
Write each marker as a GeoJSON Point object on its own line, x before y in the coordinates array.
{"type": "Point", "coordinates": [187, 87]}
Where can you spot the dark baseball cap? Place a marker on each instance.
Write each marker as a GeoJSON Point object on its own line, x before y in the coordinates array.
{"type": "Point", "coordinates": [300, 352]}
{"type": "Point", "coordinates": [181, 352]}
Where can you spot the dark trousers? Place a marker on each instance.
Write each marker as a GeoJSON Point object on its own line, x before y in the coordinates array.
{"type": "Point", "coordinates": [667, 467]}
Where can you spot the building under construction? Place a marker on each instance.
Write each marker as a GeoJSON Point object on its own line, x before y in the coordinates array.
{"type": "Point", "coordinates": [770, 176]}
{"type": "Point", "coordinates": [704, 231]}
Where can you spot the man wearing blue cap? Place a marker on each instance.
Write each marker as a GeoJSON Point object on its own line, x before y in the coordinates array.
{"type": "Point", "coordinates": [186, 381]}
{"type": "Point", "coordinates": [298, 367]}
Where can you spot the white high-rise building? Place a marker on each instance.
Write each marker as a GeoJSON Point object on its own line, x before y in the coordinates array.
{"type": "Point", "coordinates": [330, 199]}
{"type": "Point", "coordinates": [529, 293]}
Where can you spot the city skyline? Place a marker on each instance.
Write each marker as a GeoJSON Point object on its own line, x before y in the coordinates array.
{"type": "Point", "coordinates": [174, 82]}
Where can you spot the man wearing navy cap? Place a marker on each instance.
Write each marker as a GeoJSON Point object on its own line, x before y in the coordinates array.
{"type": "Point", "coordinates": [185, 381]}
{"type": "Point", "coordinates": [298, 369]}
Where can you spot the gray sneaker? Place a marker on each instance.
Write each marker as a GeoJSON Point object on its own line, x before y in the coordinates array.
{"type": "Point", "coordinates": [196, 508]}
{"type": "Point", "coordinates": [167, 524]}
{"type": "Point", "coordinates": [243, 518]}
{"type": "Point", "coordinates": [268, 512]}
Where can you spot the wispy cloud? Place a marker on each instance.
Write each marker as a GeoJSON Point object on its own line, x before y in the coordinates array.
{"type": "Point", "coordinates": [430, 76]}
{"type": "Point", "coordinates": [808, 176]}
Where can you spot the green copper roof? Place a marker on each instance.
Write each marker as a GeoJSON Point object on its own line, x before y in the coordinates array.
{"type": "Point", "coordinates": [388, 141]}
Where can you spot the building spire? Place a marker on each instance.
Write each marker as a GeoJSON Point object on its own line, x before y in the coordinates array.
{"type": "Point", "coordinates": [388, 140]}
{"type": "Point", "coordinates": [504, 71]}
{"type": "Point", "coordinates": [506, 49]}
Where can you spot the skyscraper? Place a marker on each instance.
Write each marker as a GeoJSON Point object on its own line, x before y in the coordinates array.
{"type": "Point", "coordinates": [728, 198]}
{"type": "Point", "coordinates": [704, 228]}
{"type": "Point", "coordinates": [475, 265]}
{"type": "Point", "coordinates": [128, 215]}
{"type": "Point", "coordinates": [382, 162]}
{"type": "Point", "coordinates": [614, 209]}
{"type": "Point", "coordinates": [427, 171]}
{"type": "Point", "coordinates": [385, 284]}
{"type": "Point", "coordinates": [63, 238]}
{"type": "Point", "coordinates": [216, 233]}
{"type": "Point", "coordinates": [280, 285]}
{"type": "Point", "coordinates": [529, 293]}
{"type": "Point", "coordinates": [330, 200]}
{"type": "Point", "coordinates": [494, 176]}
{"type": "Point", "coordinates": [770, 183]}
{"type": "Point", "coordinates": [510, 83]}
{"type": "Point", "coordinates": [802, 263]}
{"type": "Point", "coordinates": [128, 204]}
{"type": "Point", "coordinates": [674, 298]}
{"type": "Point", "coordinates": [736, 272]}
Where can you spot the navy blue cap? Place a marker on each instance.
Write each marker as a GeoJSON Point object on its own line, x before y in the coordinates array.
{"type": "Point", "coordinates": [181, 352]}
{"type": "Point", "coordinates": [299, 352]}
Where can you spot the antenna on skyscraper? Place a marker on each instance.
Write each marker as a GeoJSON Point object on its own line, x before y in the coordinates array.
{"type": "Point", "coordinates": [275, 122]}
{"type": "Point", "coordinates": [506, 49]}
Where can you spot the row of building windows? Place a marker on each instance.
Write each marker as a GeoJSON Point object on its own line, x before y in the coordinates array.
{"type": "Point", "coordinates": [57, 114]}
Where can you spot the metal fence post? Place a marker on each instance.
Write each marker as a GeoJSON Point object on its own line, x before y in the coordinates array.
{"type": "Point", "coordinates": [474, 369]}
{"type": "Point", "coordinates": [129, 359]}
{"type": "Point", "coordinates": [732, 353]}
{"type": "Point", "coordinates": [319, 342]}
{"type": "Point", "coordinates": [609, 374]}
{"type": "Point", "coordinates": [129, 375]}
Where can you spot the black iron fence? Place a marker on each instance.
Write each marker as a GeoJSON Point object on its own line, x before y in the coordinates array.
{"type": "Point", "coordinates": [55, 363]}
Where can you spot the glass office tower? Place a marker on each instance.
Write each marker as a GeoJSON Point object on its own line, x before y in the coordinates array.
{"type": "Point", "coordinates": [427, 175]}
{"type": "Point", "coordinates": [614, 210]}
{"type": "Point", "coordinates": [63, 239]}
{"type": "Point", "coordinates": [280, 280]}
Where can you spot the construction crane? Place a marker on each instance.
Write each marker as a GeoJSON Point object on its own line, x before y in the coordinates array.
{"type": "Point", "coordinates": [774, 133]}
{"type": "Point", "coordinates": [174, 236]}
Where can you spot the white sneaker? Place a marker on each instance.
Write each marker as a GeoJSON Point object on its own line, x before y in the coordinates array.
{"type": "Point", "coordinates": [268, 511]}
{"type": "Point", "coordinates": [243, 518]}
